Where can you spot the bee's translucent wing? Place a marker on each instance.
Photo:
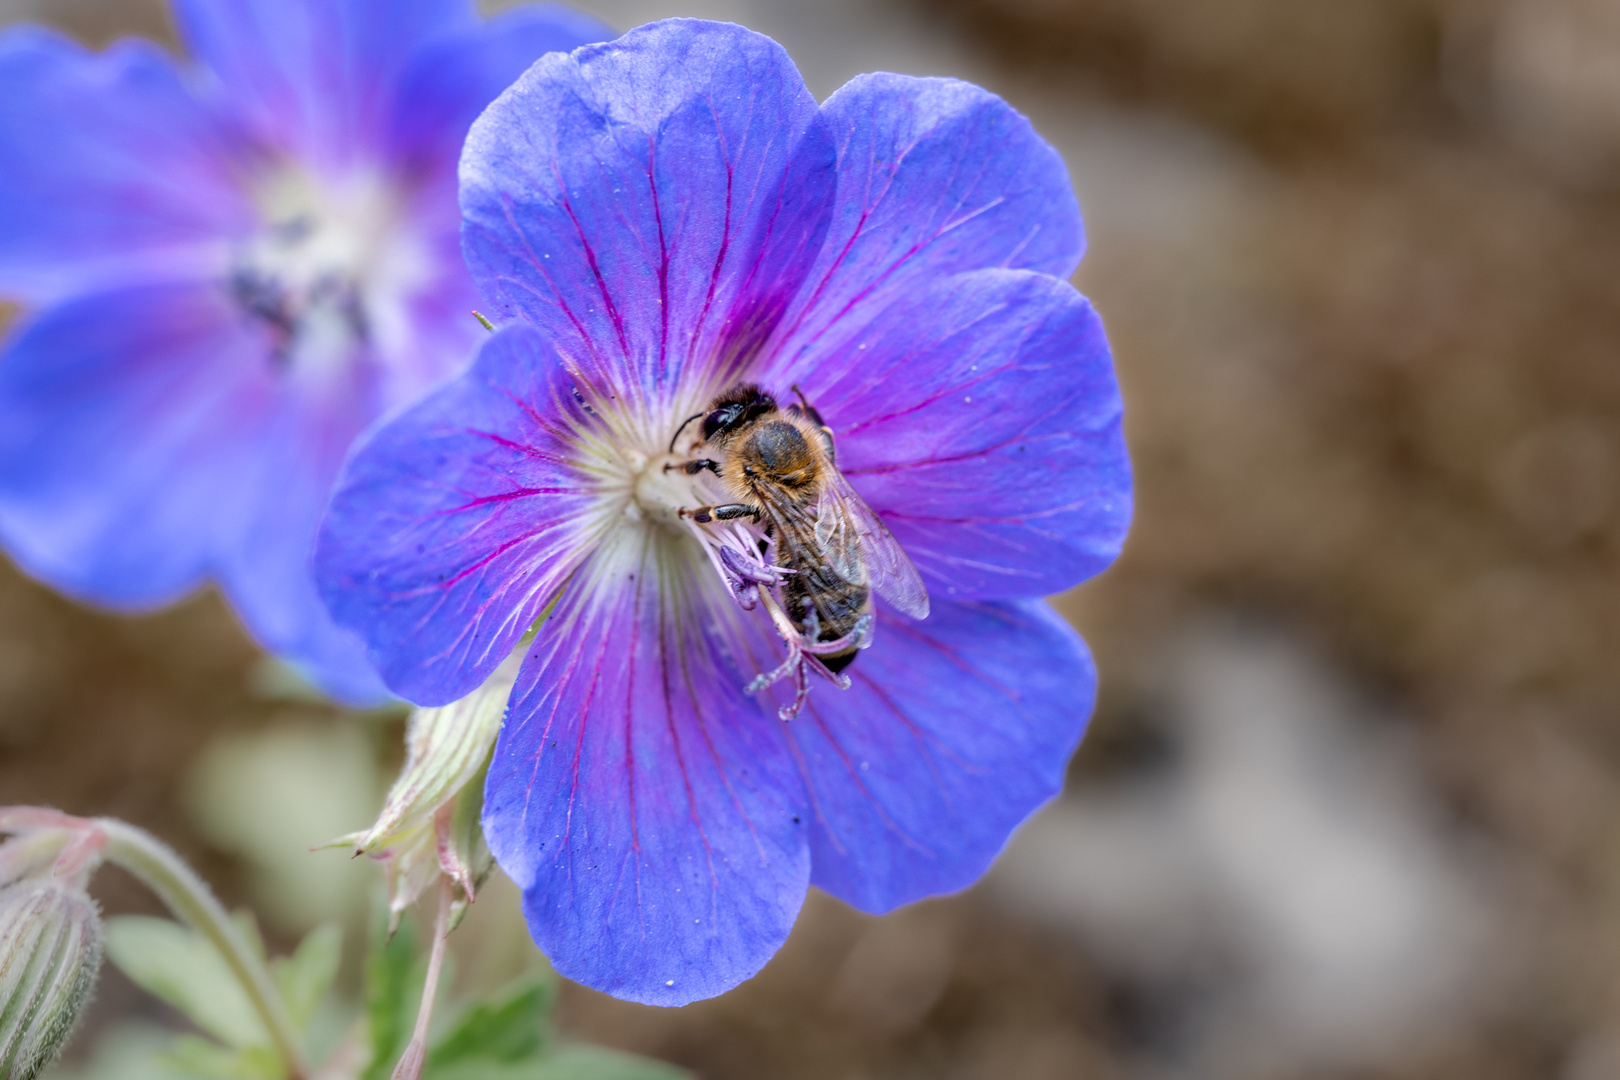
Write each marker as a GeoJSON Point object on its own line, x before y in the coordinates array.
{"type": "Point", "coordinates": [863, 550]}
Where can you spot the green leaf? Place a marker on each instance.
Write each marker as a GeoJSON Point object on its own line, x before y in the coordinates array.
{"type": "Point", "coordinates": [142, 1052]}
{"type": "Point", "coordinates": [204, 1060]}
{"type": "Point", "coordinates": [247, 924]}
{"type": "Point", "coordinates": [510, 1026]}
{"type": "Point", "coordinates": [183, 968]}
{"type": "Point", "coordinates": [569, 1063]}
{"type": "Point", "coordinates": [306, 975]}
{"type": "Point", "coordinates": [393, 986]}
{"type": "Point", "coordinates": [127, 1052]}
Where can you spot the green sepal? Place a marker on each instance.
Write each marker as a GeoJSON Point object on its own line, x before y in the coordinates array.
{"type": "Point", "coordinates": [446, 748]}
{"type": "Point", "coordinates": [468, 856]}
{"type": "Point", "coordinates": [247, 924]}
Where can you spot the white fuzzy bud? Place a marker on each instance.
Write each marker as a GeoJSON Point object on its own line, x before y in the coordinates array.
{"type": "Point", "coordinates": [50, 955]}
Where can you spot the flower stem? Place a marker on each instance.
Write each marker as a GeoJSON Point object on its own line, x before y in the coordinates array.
{"type": "Point", "coordinates": [161, 870]}
{"type": "Point", "coordinates": [415, 1056]}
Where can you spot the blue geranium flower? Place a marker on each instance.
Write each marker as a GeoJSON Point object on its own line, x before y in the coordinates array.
{"type": "Point", "coordinates": [233, 267]}
{"type": "Point", "coordinates": [656, 221]}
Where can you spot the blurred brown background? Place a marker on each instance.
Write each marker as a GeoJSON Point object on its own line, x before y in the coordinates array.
{"type": "Point", "coordinates": [1348, 807]}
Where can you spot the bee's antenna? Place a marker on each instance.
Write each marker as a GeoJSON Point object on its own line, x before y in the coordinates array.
{"type": "Point", "coordinates": [680, 429]}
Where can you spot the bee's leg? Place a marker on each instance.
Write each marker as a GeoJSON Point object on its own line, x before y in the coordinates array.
{"type": "Point", "coordinates": [808, 409]}
{"type": "Point", "coordinates": [692, 468]}
{"type": "Point", "coordinates": [824, 432]}
{"type": "Point", "coordinates": [725, 512]}
{"type": "Point", "coordinates": [798, 664]}
{"type": "Point", "coordinates": [775, 675]}
{"type": "Point", "coordinates": [801, 691]}
{"type": "Point", "coordinates": [859, 637]}
{"type": "Point", "coordinates": [837, 678]}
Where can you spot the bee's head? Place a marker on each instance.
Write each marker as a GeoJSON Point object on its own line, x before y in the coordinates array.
{"type": "Point", "coordinates": [734, 410]}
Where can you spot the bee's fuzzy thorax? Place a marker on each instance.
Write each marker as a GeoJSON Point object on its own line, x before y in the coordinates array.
{"type": "Point", "coordinates": [777, 454]}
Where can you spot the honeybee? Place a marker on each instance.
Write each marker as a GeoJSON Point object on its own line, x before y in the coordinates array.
{"type": "Point", "coordinates": [779, 466]}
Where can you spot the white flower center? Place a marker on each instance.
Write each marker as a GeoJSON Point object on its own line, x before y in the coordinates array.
{"type": "Point", "coordinates": [660, 489]}
{"type": "Point", "coordinates": [330, 270]}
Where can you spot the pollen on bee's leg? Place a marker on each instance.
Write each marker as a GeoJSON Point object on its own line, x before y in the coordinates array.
{"type": "Point", "coordinates": [799, 664]}
{"type": "Point", "coordinates": [796, 666]}
{"type": "Point", "coordinates": [801, 693]}
{"type": "Point", "coordinates": [837, 678]}
{"type": "Point", "coordinates": [802, 659]}
{"type": "Point", "coordinates": [775, 675]}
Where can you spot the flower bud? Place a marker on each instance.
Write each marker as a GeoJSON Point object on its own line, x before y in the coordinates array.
{"type": "Point", "coordinates": [50, 955]}
{"type": "Point", "coordinates": [31, 854]}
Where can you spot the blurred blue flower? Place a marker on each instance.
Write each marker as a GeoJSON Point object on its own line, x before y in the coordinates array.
{"type": "Point", "coordinates": [654, 220]}
{"type": "Point", "coordinates": [231, 267]}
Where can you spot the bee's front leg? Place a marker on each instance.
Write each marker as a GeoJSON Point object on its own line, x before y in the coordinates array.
{"type": "Point", "coordinates": [724, 512]}
{"type": "Point", "coordinates": [692, 468]}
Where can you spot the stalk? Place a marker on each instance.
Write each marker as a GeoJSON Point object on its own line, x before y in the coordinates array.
{"type": "Point", "coordinates": [415, 1056]}
{"type": "Point", "coordinates": [178, 886]}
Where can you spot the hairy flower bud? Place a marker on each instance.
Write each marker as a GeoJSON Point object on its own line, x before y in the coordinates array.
{"type": "Point", "coordinates": [50, 955]}
{"type": "Point", "coordinates": [31, 855]}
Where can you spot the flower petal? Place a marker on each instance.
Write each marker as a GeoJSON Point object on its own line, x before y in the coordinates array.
{"type": "Point", "coordinates": [648, 809]}
{"type": "Point", "coordinates": [452, 78]}
{"type": "Point", "coordinates": [267, 571]}
{"type": "Point", "coordinates": [109, 168]}
{"type": "Point", "coordinates": [956, 729]}
{"type": "Point", "coordinates": [273, 592]}
{"type": "Point", "coordinates": [651, 204]}
{"type": "Point", "coordinates": [147, 443]}
{"type": "Point", "coordinates": [314, 77]}
{"type": "Point", "coordinates": [935, 177]}
{"type": "Point", "coordinates": [126, 421]}
{"type": "Point", "coordinates": [982, 420]}
{"type": "Point", "coordinates": [455, 525]}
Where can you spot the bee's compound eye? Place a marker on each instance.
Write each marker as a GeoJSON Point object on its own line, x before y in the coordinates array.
{"type": "Point", "coordinates": [719, 420]}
